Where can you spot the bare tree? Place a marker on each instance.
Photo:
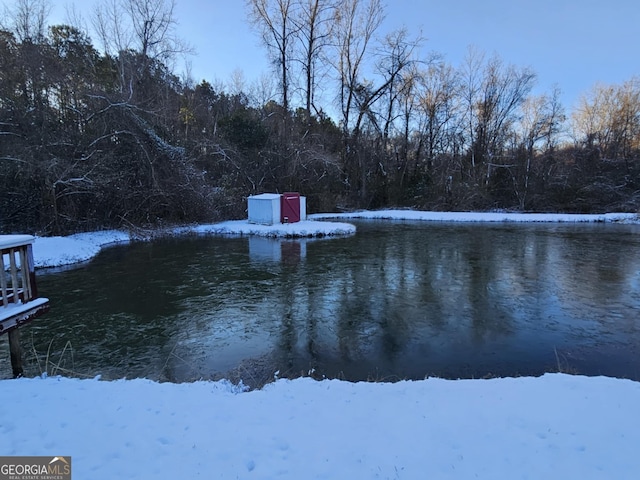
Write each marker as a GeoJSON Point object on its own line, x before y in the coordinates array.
{"type": "Point", "coordinates": [396, 58]}
{"type": "Point", "coordinates": [154, 27]}
{"type": "Point", "coordinates": [438, 106]}
{"type": "Point", "coordinates": [541, 121]}
{"type": "Point", "coordinates": [28, 20]}
{"type": "Point", "coordinates": [407, 99]}
{"type": "Point", "coordinates": [355, 23]}
{"type": "Point", "coordinates": [500, 94]}
{"type": "Point", "coordinates": [628, 124]}
{"type": "Point", "coordinates": [144, 26]}
{"type": "Point", "coordinates": [274, 21]}
{"type": "Point", "coordinates": [111, 27]}
{"type": "Point", "coordinates": [608, 119]}
{"type": "Point", "coordinates": [262, 90]}
{"type": "Point", "coordinates": [471, 75]}
{"type": "Point", "coordinates": [314, 25]}
{"type": "Point", "coordinates": [237, 83]}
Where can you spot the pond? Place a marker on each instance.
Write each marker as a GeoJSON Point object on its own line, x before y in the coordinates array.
{"type": "Point", "coordinates": [398, 300]}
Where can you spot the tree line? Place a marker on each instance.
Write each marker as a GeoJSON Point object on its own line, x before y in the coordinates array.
{"type": "Point", "coordinates": [109, 135]}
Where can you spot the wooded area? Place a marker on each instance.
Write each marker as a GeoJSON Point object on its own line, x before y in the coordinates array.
{"type": "Point", "coordinates": [109, 135]}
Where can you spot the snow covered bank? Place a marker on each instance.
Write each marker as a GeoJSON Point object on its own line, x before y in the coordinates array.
{"type": "Point", "coordinates": [306, 228]}
{"type": "Point", "coordinates": [553, 427]}
{"type": "Point", "coordinates": [60, 251]}
{"type": "Point", "coordinates": [483, 216]}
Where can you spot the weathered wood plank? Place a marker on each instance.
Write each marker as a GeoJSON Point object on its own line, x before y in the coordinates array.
{"type": "Point", "coordinates": [31, 270]}
{"type": "Point", "coordinates": [14, 274]}
{"type": "Point", "coordinates": [15, 315]}
{"type": "Point", "coordinates": [15, 350]}
{"type": "Point", "coordinates": [24, 277]}
{"type": "Point", "coordinates": [3, 282]}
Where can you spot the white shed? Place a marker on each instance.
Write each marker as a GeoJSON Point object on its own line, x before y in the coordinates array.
{"type": "Point", "coordinates": [303, 208]}
{"type": "Point", "coordinates": [264, 209]}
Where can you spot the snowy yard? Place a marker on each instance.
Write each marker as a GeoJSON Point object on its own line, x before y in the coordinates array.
{"type": "Point", "coordinates": [553, 427]}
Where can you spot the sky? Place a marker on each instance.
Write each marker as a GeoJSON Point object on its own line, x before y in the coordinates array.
{"type": "Point", "coordinates": [573, 44]}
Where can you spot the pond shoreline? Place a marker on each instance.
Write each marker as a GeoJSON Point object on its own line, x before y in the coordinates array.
{"type": "Point", "coordinates": [59, 252]}
{"type": "Point", "coordinates": [55, 252]}
{"type": "Point", "coordinates": [400, 299]}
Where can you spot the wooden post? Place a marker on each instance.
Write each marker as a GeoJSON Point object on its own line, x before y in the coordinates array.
{"type": "Point", "coordinates": [14, 275]}
{"type": "Point", "coordinates": [15, 350]}
{"type": "Point", "coordinates": [19, 302]}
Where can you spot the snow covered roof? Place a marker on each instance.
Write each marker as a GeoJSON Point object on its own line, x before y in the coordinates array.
{"type": "Point", "coordinates": [265, 196]}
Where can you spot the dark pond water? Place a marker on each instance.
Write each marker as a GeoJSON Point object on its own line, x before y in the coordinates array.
{"type": "Point", "coordinates": [397, 300]}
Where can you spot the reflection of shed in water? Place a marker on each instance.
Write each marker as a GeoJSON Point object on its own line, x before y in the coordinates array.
{"type": "Point", "coordinates": [263, 249]}
{"type": "Point", "coordinates": [19, 303]}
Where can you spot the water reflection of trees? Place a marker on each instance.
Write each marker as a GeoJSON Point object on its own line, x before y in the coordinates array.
{"type": "Point", "coordinates": [587, 261]}
{"type": "Point", "coordinates": [428, 292]}
{"type": "Point", "coordinates": [417, 300]}
{"type": "Point", "coordinates": [591, 263]}
{"type": "Point", "coordinates": [421, 291]}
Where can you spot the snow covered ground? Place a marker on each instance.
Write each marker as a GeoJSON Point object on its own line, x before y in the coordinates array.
{"type": "Point", "coordinates": [306, 228]}
{"type": "Point", "coordinates": [553, 427]}
{"type": "Point", "coordinates": [482, 217]}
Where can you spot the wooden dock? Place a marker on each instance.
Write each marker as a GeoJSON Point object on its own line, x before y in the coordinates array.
{"type": "Point", "coordinates": [19, 301]}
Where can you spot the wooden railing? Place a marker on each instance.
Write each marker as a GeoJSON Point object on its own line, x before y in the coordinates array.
{"type": "Point", "coordinates": [16, 284]}
{"type": "Point", "coordinates": [19, 301]}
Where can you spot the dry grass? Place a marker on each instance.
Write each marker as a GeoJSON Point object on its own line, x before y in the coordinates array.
{"type": "Point", "coordinates": [64, 364]}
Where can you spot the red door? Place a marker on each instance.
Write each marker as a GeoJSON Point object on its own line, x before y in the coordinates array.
{"type": "Point", "coordinates": [290, 207]}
